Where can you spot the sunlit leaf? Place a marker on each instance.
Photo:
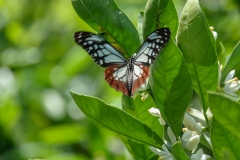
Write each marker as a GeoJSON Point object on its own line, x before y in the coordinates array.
{"type": "Point", "coordinates": [226, 112]}
{"type": "Point", "coordinates": [105, 17]}
{"type": "Point", "coordinates": [233, 63]}
{"type": "Point", "coordinates": [197, 44]}
{"type": "Point", "coordinates": [157, 14]}
{"type": "Point", "coordinates": [225, 144]}
{"type": "Point", "coordinates": [116, 120]}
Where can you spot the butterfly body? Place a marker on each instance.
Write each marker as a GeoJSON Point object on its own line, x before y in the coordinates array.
{"type": "Point", "coordinates": [124, 75]}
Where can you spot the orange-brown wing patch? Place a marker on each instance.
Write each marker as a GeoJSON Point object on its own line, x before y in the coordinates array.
{"type": "Point", "coordinates": [140, 75]}
{"type": "Point", "coordinates": [116, 76]}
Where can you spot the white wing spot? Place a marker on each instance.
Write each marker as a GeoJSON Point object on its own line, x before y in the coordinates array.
{"type": "Point", "coordinates": [161, 41]}
{"type": "Point", "coordinates": [100, 53]}
{"type": "Point", "coordinates": [80, 40]}
{"type": "Point", "coordinates": [101, 46]}
{"type": "Point", "coordinates": [90, 42]}
{"type": "Point", "coordinates": [101, 62]}
{"type": "Point", "coordinates": [95, 54]}
{"type": "Point", "coordinates": [90, 48]}
{"type": "Point", "coordinates": [95, 46]}
{"type": "Point", "coordinates": [85, 43]}
{"type": "Point", "coordinates": [165, 34]}
{"type": "Point", "coordinates": [157, 46]}
{"type": "Point", "coordinates": [153, 45]}
{"type": "Point", "coordinates": [157, 40]}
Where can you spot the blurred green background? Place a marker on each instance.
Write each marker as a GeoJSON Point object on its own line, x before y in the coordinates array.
{"type": "Point", "coordinates": [40, 64]}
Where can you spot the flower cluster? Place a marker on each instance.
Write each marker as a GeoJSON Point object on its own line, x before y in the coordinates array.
{"type": "Point", "coordinates": [191, 137]}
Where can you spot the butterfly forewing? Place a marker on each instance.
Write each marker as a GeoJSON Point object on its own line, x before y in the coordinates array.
{"type": "Point", "coordinates": [99, 49]}
{"type": "Point", "coordinates": [152, 46]}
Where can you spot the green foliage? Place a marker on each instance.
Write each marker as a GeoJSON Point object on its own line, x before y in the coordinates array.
{"type": "Point", "coordinates": [225, 127]}
{"type": "Point", "coordinates": [40, 64]}
{"type": "Point", "coordinates": [196, 42]}
{"type": "Point", "coordinates": [179, 152]}
{"type": "Point", "coordinates": [171, 86]}
{"type": "Point", "coordinates": [158, 14]}
{"type": "Point", "coordinates": [111, 21]}
{"type": "Point", "coordinates": [116, 120]}
{"type": "Point", "coordinates": [232, 63]}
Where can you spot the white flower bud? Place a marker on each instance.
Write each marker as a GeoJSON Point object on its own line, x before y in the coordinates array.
{"type": "Point", "coordinates": [187, 135]}
{"type": "Point", "coordinates": [197, 156]}
{"type": "Point", "coordinates": [193, 143]}
{"type": "Point", "coordinates": [191, 124]}
{"type": "Point", "coordinates": [154, 112]}
{"type": "Point", "coordinates": [171, 135]}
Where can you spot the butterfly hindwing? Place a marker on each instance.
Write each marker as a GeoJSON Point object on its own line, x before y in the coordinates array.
{"type": "Point", "coordinates": [99, 49]}
{"type": "Point", "coordinates": [152, 46]}
{"type": "Point", "coordinates": [140, 74]}
{"type": "Point", "coordinates": [117, 77]}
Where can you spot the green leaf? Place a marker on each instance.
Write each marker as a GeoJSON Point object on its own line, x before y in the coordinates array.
{"type": "Point", "coordinates": [171, 86]}
{"type": "Point", "coordinates": [178, 152]}
{"type": "Point", "coordinates": [158, 14]}
{"type": "Point", "coordinates": [233, 63]}
{"type": "Point", "coordinates": [225, 111]}
{"type": "Point", "coordinates": [116, 120]}
{"type": "Point", "coordinates": [139, 151]}
{"type": "Point", "coordinates": [105, 17]}
{"type": "Point", "coordinates": [139, 28]}
{"type": "Point", "coordinates": [225, 144]}
{"type": "Point", "coordinates": [139, 109]}
{"type": "Point", "coordinates": [222, 56]}
{"type": "Point", "coordinates": [197, 44]}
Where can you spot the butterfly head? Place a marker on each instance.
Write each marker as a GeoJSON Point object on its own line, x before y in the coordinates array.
{"type": "Point", "coordinates": [134, 55]}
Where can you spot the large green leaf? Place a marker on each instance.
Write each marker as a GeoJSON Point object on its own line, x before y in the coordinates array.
{"type": "Point", "coordinates": [116, 120]}
{"type": "Point", "coordinates": [105, 17]}
{"type": "Point", "coordinates": [171, 86]}
{"type": "Point", "coordinates": [161, 13]}
{"type": "Point", "coordinates": [226, 112]}
{"type": "Point", "coordinates": [139, 151]}
{"type": "Point", "coordinates": [233, 63]}
{"type": "Point", "coordinates": [197, 44]}
{"type": "Point", "coordinates": [139, 109]}
{"type": "Point", "coordinates": [225, 144]}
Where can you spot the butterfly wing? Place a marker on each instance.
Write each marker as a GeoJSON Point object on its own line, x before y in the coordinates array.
{"type": "Point", "coordinates": [152, 46]}
{"type": "Point", "coordinates": [147, 55]}
{"type": "Point", "coordinates": [140, 75]}
{"type": "Point", "coordinates": [99, 49]}
{"type": "Point", "coordinates": [117, 77]}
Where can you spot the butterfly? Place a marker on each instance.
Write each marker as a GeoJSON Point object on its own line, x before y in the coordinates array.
{"type": "Point", "coordinates": [124, 75]}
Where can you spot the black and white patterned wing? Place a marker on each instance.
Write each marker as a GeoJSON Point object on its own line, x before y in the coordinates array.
{"type": "Point", "coordinates": [99, 49]}
{"type": "Point", "coordinates": [152, 46]}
